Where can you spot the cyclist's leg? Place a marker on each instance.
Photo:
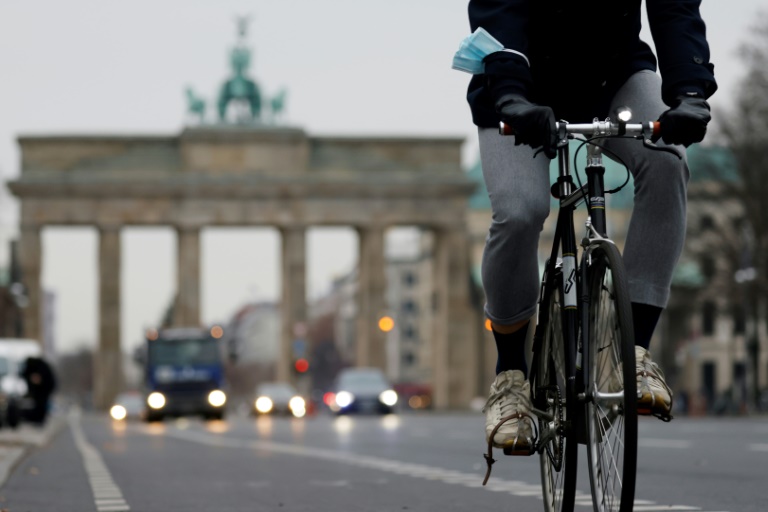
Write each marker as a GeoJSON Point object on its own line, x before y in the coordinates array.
{"type": "Point", "coordinates": [657, 229]}
{"type": "Point", "coordinates": [518, 188]}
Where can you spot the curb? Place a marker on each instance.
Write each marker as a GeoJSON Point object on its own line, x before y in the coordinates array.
{"type": "Point", "coordinates": [14, 444]}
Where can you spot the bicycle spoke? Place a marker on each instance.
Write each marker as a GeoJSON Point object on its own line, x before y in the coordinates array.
{"type": "Point", "coordinates": [610, 440]}
{"type": "Point", "coordinates": [557, 460]}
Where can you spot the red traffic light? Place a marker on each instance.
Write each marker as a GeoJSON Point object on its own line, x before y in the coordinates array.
{"type": "Point", "coordinates": [301, 365]}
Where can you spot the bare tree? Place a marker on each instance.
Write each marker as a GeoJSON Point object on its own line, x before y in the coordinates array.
{"type": "Point", "coordinates": [744, 129]}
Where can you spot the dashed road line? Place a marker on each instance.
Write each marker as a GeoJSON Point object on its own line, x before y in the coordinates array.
{"type": "Point", "coordinates": [472, 480]}
{"type": "Point", "coordinates": [106, 494]}
{"type": "Point", "coordinates": [647, 442]}
{"type": "Point", "coordinates": [759, 447]}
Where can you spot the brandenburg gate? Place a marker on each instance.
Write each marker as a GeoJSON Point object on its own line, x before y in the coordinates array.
{"type": "Point", "coordinates": [258, 175]}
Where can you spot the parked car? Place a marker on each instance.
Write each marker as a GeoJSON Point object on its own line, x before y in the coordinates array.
{"type": "Point", "coordinates": [361, 391]}
{"type": "Point", "coordinates": [127, 406]}
{"type": "Point", "coordinates": [278, 398]}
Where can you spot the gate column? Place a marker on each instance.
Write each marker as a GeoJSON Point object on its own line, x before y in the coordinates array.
{"type": "Point", "coordinates": [30, 258]}
{"type": "Point", "coordinates": [187, 311]}
{"type": "Point", "coordinates": [371, 341]}
{"type": "Point", "coordinates": [108, 364]}
{"type": "Point", "coordinates": [455, 351]}
{"type": "Point", "coordinates": [293, 311]}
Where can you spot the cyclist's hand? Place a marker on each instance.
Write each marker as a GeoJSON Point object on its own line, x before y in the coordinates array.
{"type": "Point", "coordinates": [686, 122]}
{"type": "Point", "coordinates": [533, 124]}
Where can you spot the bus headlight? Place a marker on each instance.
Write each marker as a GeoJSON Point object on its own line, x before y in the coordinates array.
{"type": "Point", "coordinates": [118, 412]}
{"type": "Point", "coordinates": [388, 397]}
{"type": "Point", "coordinates": [263, 404]}
{"type": "Point", "coordinates": [156, 400]}
{"type": "Point", "coordinates": [217, 398]}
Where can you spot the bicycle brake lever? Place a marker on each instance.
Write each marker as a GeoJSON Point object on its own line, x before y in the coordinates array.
{"type": "Point", "coordinates": [650, 145]}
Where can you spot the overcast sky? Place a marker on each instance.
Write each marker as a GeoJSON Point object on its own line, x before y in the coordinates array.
{"type": "Point", "coordinates": [352, 67]}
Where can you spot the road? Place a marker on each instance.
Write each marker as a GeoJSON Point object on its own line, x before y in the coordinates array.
{"type": "Point", "coordinates": [412, 462]}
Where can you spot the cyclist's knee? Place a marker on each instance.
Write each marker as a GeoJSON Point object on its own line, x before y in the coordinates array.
{"type": "Point", "coordinates": [663, 174]}
{"type": "Point", "coordinates": [520, 216]}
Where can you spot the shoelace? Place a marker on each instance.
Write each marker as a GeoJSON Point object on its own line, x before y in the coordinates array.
{"type": "Point", "coordinates": [649, 370]}
{"type": "Point", "coordinates": [518, 398]}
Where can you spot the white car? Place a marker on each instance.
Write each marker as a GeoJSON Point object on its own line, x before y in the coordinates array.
{"type": "Point", "coordinates": [278, 398]}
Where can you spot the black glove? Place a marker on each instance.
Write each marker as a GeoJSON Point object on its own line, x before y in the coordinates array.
{"type": "Point", "coordinates": [686, 122]}
{"type": "Point", "coordinates": [533, 125]}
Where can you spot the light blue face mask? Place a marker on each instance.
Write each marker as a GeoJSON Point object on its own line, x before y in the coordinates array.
{"type": "Point", "coordinates": [473, 49]}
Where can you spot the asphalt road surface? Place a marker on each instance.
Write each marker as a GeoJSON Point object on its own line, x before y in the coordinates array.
{"type": "Point", "coordinates": [414, 462]}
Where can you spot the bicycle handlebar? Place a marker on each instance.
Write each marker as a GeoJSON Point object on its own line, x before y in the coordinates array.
{"type": "Point", "coordinates": [601, 128]}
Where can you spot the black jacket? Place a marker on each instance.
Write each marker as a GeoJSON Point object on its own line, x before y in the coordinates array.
{"type": "Point", "coordinates": [582, 51]}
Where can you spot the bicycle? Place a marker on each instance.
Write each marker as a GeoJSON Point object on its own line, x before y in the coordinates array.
{"type": "Point", "coordinates": [583, 382]}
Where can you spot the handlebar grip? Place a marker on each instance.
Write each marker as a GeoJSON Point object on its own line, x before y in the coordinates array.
{"type": "Point", "coordinates": [656, 129]}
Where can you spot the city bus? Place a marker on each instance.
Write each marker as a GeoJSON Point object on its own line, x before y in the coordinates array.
{"type": "Point", "coordinates": [184, 373]}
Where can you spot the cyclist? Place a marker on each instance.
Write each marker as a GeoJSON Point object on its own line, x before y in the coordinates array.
{"type": "Point", "coordinates": [544, 74]}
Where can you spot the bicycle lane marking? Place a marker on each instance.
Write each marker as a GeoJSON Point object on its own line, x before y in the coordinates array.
{"type": "Point", "coordinates": [680, 444]}
{"type": "Point", "coordinates": [514, 487]}
{"type": "Point", "coordinates": [106, 494]}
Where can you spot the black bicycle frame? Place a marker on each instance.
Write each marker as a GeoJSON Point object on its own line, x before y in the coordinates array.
{"type": "Point", "coordinates": [575, 286]}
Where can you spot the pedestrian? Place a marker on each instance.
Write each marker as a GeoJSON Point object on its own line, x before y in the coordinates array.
{"type": "Point", "coordinates": [550, 69]}
{"type": "Point", "coordinates": [41, 383]}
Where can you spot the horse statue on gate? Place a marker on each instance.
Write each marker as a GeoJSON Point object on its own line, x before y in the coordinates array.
{"type": "Point", "coordinates": [195, 105]}
{"type": "Point", "coordinates": [277, 105]}
{"type": "Point", "coordinates": [240, 89]}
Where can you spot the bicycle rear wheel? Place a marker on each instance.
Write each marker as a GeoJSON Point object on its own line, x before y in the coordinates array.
{"type": "Point", "coordinates": [558, 455]}
{"type": "Point", "coordinates": [611, 387]}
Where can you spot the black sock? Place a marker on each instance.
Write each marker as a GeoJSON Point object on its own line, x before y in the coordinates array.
{"type": "Point", "coordinates": [511, 350]}
{"type": "Point", "coordinates": [645, 318]}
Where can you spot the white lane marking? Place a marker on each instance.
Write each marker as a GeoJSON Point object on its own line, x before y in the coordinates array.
{"type": "Point", "coordinates": [663, 443]}
{"type": "Point", "coordinates": [106, 494]}
{"type": "Point", "coordinates": [649, 508]}
{"type": "Point", "coordinates": [759, 447]}
{"type": "Point", "coordinates": [472, 480]}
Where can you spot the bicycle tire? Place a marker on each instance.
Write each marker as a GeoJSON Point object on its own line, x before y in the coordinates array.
{"type": "Point", "coordinates": [558, 480]}
{"type": "Point", "coordinates": [611, 386]}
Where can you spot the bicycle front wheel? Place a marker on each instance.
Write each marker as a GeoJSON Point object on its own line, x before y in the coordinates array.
{"type": "Point", "coordinates": [611, 384]}
{"type": "Point", "coordinates": [558, 449]}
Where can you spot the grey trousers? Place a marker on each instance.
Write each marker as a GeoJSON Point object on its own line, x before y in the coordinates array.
{"type": "Point", "coordinates": [518, 187]}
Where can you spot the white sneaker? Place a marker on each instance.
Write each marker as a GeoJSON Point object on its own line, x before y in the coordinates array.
{"type": "Point", "coordinates": [510, 394]}
{"type": "Point", "coordinates": [653, 395]}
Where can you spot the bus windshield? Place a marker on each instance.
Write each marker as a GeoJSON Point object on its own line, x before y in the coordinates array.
{"type": "Point", "coordinates": [184, 352]}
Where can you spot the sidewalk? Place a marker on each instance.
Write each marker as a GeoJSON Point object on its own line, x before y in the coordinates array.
{"type": "Point", "coordinates": [15, 443]}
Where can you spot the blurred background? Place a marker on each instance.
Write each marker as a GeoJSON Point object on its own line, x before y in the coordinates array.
{"type": "Point", "coordinates": [80, 74]}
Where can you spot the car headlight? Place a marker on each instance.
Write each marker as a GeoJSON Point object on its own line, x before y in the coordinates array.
{"type": "Point", "coordinates": [297, 403]}
{"type": "Point", "coordinates": [118, 412]}
{"type": "Point", "coordinates": [217, 398]}
{"type": "Point", "coordinates": [263, 404]}
{"type": "Point", "coordinates": [344, 398]}
{"type": "Point", "coordinates": [388, 397]}
{"type": "Point", "coordinates": [156, 400]}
